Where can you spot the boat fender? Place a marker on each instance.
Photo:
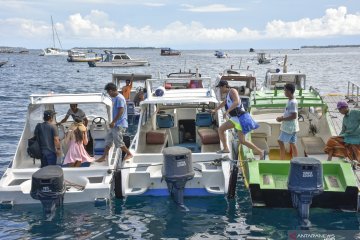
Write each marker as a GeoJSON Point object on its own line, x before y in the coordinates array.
{"type": "Point", "coordinates": [117, 184]}
{"type": "Point", "coordinates": [233, 181]}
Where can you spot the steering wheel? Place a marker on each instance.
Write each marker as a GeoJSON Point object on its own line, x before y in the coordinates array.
{"type": "Point", "coordinates": [139, 89]}
{"type": "Point", "coordinates": [99, 120]}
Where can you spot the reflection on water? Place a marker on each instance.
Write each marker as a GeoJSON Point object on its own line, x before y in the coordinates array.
{"type": "Point", "coordinates": [156, 218]}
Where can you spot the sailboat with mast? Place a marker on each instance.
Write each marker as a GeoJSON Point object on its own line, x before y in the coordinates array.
{"type": "Point", "coordinates": [53, 51]}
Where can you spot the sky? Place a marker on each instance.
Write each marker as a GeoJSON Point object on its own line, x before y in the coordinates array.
{"type": "Point", "coordinates": [200, 24]}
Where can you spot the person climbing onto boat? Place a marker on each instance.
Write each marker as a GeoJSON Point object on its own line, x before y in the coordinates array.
{"type": "Point", "coordinates": [289, 122]}
{"type": "Point", "coordinates": [239, 119]}
{"type": "Point", "coordinates": [118, 124]}
{"type": "Point", "coordinates": [347, 144]}
{"type": "Point", "coordinates": [126, 90]}
{"type": "Point", "coordinates": [76, 138]}
{"type": "Point", "coordinates": [75, 112]}
{"type": "Point", "coordinates": [48, 138]}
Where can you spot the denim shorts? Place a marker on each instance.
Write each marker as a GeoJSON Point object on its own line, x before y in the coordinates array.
{"type": "Point", "coordinates": [115, 135]}
{"type": "Point", "coordinates": [288, 137]}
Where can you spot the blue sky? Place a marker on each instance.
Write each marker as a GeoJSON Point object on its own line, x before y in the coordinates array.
{"type": "Point", "coordinates": [201, 24]}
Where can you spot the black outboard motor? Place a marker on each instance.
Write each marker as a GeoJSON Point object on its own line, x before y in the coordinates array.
{"type": "Point", "coordinates": [177, 170]}
{"type": "Point", "coordinates": [48, 186]}
{"type": "Point", "coordinates": [305, 181]}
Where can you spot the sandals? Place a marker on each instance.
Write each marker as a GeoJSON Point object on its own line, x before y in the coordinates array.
{"type": "Point", "coordinates": [222, 152]}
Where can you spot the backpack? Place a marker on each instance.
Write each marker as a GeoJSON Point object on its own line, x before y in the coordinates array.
{"type": "Point", "coordinates": [33, 148]}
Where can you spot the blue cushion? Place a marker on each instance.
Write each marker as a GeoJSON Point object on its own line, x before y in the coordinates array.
{"type": "Point", "coordinates": [203, 119]}
{"type": "Point", "coordinates": [164, 121]}
{"type": "Point", "coordinates": [99, 146]}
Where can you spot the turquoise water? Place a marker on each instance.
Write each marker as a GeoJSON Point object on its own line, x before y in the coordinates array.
{"type": "Point", "coordinates": [147, 217]}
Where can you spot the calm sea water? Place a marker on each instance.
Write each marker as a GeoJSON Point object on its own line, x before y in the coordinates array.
{"type": "Point", "coordinates": [158, 218]}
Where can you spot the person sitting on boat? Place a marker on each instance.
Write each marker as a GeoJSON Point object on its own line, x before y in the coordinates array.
{"type": "Point", "coordinates": [118, 124]}
{"type": "Point", "coordinates": [140, 96]}
{"type": "Point", "coordinates": [239, 119]}
{"type": "Point", "coordinates": [75, 112]}
{"type": "Point", "coordinates": [76, 138]}
{"type": "Point", "coordinates": [48, 137]}
{"type": "Point", "coordinates": [289, 123]}
{"type": "Point", "coordinates": [347, 144]}
{"type": "Point", "coordinates": [126, 90]}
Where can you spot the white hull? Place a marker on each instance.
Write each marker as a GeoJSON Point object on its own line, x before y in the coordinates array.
{"type": "Point", "coordinates": [121, 64]}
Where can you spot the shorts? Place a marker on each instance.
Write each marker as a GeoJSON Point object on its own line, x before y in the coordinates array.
{"type": "Point", "coordinates": [115, 135]}
{"type": "Point", "coordinates": [48, 158]}
{"type": "Point", "coordinates": [235, 121]}
{"type": "Point", "coordinates": [288, 137]}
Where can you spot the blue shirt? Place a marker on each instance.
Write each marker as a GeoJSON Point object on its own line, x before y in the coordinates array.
{"type": "Point", "coordinates": [120, 102]}
{"type": "Point", "coordinates": [351, 127]}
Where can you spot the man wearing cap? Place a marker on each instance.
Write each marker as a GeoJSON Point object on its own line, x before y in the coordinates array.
{"type": "Point", "coordinates": [75, 112]}
{"type": "Point", "coordinates": [347, 144]}
{"type": "Point", "coordinates": [118, 125]}
{"type": "Point", "coordinates": [48, 138]}
{"type": "Point", "coordinates": [239, 119]}
{"type": "Point", "coordinates": [126, 90]}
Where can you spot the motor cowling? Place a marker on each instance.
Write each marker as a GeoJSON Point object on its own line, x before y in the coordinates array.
{"type": "Point", "coordinates": [177, 170]}
{"type": "Point", "coordinates": [304, 182]}
{"type": "Point", "coordinates": [49, 187]}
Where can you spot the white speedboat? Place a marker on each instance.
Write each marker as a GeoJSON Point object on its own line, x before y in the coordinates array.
{"type": "Point", "coordinates": [276, 79]}
{"type": "Point", "coordinates": [110, 59]}
{"type": "Point", "coordinates": [92, 183]}
{"type": "Point", "coordinates": [77, 56]}
{"type": "Point", "coordinates": [262, 59]}
{"type": "Point", "coordinates": [177, 141]}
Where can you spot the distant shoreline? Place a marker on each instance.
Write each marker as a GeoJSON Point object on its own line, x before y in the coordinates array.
{"type": "Point", "coordinates": [331, 46]}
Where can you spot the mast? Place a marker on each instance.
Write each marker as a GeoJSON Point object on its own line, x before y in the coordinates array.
{"type": "Point", "coordinates": [53, 32]}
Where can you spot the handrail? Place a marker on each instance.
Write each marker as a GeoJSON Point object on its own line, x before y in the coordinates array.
{"type": "Point", "coordinates": [352, 97]}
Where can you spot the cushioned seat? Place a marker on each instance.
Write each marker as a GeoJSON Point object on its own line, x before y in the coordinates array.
{"type": "Point", "coordinates": [208, 136]}
{"type": "Point", "coordinates": [313, 145]}
{"type": "Point", "coordinates": [156, 141]}
{"type": "Point", "coordinates": [203, 119]}
{"type": "Point", "coordinates": [165, 121]}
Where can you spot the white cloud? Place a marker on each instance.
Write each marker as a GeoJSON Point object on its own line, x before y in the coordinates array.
{"type": "Point", "coordinates": [149, 4]}
{"type": "Point", "coordinates": [335, 22]}
{"type": "Point", "coordinates": [210, 8]}
{"type": "Point", "coordinates": [97, 29]}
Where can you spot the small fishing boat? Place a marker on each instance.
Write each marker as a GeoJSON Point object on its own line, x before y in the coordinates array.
{"type": "Point", "coordinates": [262, 59]}
{"type": "Point", "coordinates": [177, 141]}
{"type": "Point", "coordinates": [94, 182]}
{"type": "Point", "coordinates": [111, 59]}
{"type": "Point", "coordinates": [77, 56]}
{"type": "Point", "coordinates": [169, 52]}
{"type": "Point", "coordinates": [319, 183]}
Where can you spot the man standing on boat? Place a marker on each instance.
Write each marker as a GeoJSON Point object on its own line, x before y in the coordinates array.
{"type": "Point", "coordinates": [48, 138]}
{"type": "Point", "coordinates": [118, 124]}
{"type": "Point", "coordinates": [239, 119]}
{"type": "Point", "coordinates": [75, 113]}
{"type": "Point", "coordinates": [126, 90]}
{"type": "Point", "coordinates": [347, 144]}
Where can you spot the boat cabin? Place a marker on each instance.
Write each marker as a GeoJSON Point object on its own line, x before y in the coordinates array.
{"type": "Point", "coordinates": [276, 79]}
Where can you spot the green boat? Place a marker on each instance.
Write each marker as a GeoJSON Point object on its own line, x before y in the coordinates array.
{"type": "Point", "coordinates": [267, 180]}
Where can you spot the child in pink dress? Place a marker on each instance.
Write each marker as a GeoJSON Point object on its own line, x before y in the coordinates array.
{"type": "Point", "coordinates": [76, 153]}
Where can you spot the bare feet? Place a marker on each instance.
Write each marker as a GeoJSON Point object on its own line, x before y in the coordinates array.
{"type": "Point", "coordinates": [101, 159]}
{"type": "Point", "coordinates": [128, 156]}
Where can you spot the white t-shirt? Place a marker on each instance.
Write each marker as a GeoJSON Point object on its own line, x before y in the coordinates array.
{"type": "Point", "coordinates": [292, 125]}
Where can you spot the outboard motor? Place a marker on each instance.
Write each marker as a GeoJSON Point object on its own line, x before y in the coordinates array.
{"type": "Point", "coordinates": [48, 186]}
{"type": "Point", "coordinates": [305, 181]}
{"type": "Point", "coordinates": [177, 170]}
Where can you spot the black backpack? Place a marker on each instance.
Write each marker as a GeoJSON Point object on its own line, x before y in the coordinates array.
{"type": "Point", "coordinates": [33, 148]}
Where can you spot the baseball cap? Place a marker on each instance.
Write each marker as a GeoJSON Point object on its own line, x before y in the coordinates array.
{"type": "Point", "coordinates": [49, 113]}
{"type": "Point", "coordinates": [222, 83]}
{"type": "Point", "coordinates": [342, 104]}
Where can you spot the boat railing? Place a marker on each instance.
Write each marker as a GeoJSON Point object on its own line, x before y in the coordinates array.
{"type": "Point", "coordinates": [351, 96]}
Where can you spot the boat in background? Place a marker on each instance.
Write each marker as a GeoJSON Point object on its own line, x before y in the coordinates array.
{"type": "Point", "coordinates": [2, 63]}
{"type": "Point", "coordinates": [53, 51]}
{"type": "Point", "coordinates": [169, 52]}
{"type": "Point", "coordinates": [220, 54]}
{"type": "Point", "coordinates": [78, 56]}
{"type": "Point", "coordinates": [262, 59]}
{"type": "Point", "coordinates": [111, 59]}
{"type": "Point", "coordinates": [243, 80]}
{"type": "Point", "coordinates": [178, 133]}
